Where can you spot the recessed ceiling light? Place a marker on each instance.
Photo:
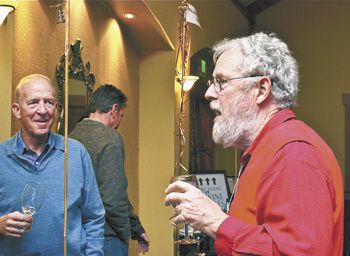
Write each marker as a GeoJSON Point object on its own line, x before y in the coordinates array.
{"type": "Point", "coordinates": [129, 15]}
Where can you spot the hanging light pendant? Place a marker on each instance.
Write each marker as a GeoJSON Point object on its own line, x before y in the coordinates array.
{"type": "Point", "coordinates": [6, 7]}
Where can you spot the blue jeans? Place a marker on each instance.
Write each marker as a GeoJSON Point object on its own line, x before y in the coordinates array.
{"type": "Point", "coordinates": [115, 247]}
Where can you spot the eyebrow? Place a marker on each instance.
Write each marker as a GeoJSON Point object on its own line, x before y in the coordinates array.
{"type": "Point", "coordinates": [221, 75]}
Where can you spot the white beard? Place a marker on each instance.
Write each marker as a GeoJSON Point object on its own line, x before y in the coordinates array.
{"type": "Point", "coordinates": [236, 127]}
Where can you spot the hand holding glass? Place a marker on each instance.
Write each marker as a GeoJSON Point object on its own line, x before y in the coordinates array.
{"type": "Point", "coordinates": [32, 198]}
{"type": "Point", "coordinates": [191, 179]}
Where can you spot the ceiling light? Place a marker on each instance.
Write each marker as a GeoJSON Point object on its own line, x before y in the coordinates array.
{"type": "Point", "coordinates": [6, 7]}
{"type": "Point", "coordinates": [129, 15]}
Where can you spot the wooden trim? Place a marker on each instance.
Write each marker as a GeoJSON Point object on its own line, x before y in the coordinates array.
{"type": "Point", "coordinates": [346, 102]}
{"type": "Point", "coordinates": [346, 99]}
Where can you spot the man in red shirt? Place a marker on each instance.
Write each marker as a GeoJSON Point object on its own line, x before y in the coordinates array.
{"type": "Point", "coordinates": [288, 199]}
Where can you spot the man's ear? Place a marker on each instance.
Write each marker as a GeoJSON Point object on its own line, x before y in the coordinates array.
{"type": "Point", "coordinates": [16, 110]}
{"type": "Point", "coordinates": [263, 89]}
{"type": "Point", "coordinates": [114, 109]}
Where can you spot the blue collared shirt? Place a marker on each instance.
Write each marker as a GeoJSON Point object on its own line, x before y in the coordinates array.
{"type": "Point", "coordinates": [85, 208]}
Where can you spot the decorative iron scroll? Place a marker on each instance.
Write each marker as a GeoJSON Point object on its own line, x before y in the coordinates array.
{"type": "Point", "coordinates": [77, 71]}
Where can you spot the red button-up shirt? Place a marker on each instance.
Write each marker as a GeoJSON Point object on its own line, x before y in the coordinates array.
{"type": "Point", "coordinates": [294, 206]}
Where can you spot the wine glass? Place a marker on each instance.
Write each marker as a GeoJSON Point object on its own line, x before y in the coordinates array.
{"type": "Point", "coordinates": [190, 179]}
{"type": "Point", "coordinates": [32, 197]}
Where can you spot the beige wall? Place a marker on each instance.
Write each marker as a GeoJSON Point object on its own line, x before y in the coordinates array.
{"type": "Point", "coordinates": [6, 35]}
{"type": "Point", "coordinates": [156, 133]}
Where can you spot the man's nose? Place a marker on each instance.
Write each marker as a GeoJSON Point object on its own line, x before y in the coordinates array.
{"type": "Point", "coordinates": [42, 107]}
{"type": "Point", "coordinates": [211, 94]}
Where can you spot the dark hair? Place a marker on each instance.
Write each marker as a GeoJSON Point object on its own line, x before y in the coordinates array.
{"type": "Point", "coordinates": [103, 99]}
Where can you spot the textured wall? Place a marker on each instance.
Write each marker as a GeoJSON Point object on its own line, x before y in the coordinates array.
{"type": "Point", "coordinates": [6, 35]}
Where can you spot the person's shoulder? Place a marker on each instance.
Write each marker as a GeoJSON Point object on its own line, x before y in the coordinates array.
{"type": "Point", "coordinates": [59, 141]}
{"type": "Point", "coordinates": [117, 137]}
{"type": "Point", "coordinates": [6, 146]}
{"type": "Point", "coordinates": [302, 152]}
{"type": "Point", "coordinates": [8, 141]}
{"type": "Point", "coordinates": [75, 143]}
{"type": "Point", "coordinates": [108, 134]}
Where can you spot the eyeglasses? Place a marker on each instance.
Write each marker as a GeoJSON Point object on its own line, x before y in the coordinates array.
{"type": "Point", "coordinates": [219, 82]}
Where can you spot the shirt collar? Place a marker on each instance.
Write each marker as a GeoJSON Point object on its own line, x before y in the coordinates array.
{"type": "Point", "coordinates": [281, 117]}
{"type": "Point", "coordinates": [20, 147]}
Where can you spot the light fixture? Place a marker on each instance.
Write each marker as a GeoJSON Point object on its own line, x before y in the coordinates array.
{"type": "Point", "coordinates": [189, 82]}
{"type": "Point", "coordinates": [129, 15]}
{"type": "Point", "coordinates": [6, 7]}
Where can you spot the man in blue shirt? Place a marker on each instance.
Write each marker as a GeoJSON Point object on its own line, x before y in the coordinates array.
{"type": "Point", "coordinates": [35, 154]}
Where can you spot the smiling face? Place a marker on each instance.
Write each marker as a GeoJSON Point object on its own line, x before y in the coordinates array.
{"type": "Point", "coordinates": [36, 109]}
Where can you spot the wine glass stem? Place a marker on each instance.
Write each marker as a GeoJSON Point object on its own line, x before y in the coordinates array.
{"type": "Point", "coordinates": [186, 231]}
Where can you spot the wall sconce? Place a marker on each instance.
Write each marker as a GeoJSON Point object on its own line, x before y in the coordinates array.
{"type": "Point", "coordinates": [6, 7]}
{"type": "Point", "coordinates": [189, 82]}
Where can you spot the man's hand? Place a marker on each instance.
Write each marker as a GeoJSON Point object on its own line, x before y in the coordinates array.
{"type": "Point", "coordinates": [194, 208]}
{"type": "Point", "coordinates": [143, 244]}
{"type": "Point", "coordinates": [15, 224]}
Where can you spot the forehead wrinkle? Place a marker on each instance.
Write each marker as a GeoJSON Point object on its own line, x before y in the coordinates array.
{"type": "Point", "coordinates": [226, 71]}
{"type": "Point", "coordinates": [19, 91]}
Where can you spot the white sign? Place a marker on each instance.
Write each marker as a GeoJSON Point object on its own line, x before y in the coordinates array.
{"type": "Point", "coordinates": [192, 16]}
{"type": "Point", "coordinates": [215, 186]}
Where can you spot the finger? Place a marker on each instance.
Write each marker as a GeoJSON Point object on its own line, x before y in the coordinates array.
{"type": "Point", "coordinates": [140, 249]}
{"type": "Point", "coordinates": [15, 232]}
{"type": "Point", "coordinates": [178, 209]}
{"type": "Point", "coordinates": [179, 186]}
{"type": "Point", "coordinates": [143, 247]}
{"type": "Point", "coordinates": [177, 219]}
{"type": "Point", "coordinates": [145, 237]}
{"type": "Point", "coordinates": [17, 224]}
{"type": "Point", "coordinates": [25, 226]}
{"type": "Point", "coordinates": [174, 198]}
{"type": "Point", "coordinates": [18, 216]}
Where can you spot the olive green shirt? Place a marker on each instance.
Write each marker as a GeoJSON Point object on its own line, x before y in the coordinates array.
{"type": "Point", "coordinates": [106, 149]}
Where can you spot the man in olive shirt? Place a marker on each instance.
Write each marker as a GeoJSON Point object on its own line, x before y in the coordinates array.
{"type": "Point", "coordinates": [106, 148]}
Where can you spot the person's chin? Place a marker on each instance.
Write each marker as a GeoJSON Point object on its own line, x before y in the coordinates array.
{"type": "Point", "coordinates": [42, 131]}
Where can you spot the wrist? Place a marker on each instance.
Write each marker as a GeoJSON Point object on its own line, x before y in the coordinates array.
{"type": "Point", "coordinates": [2, 226]}
{"type": "Point", "coordinates": [212, 227]}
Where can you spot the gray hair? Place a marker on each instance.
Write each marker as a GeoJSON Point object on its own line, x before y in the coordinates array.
{"type": "Point", "coordinates": [266, 55]}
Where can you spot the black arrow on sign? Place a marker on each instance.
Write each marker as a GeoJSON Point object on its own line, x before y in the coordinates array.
{"type": "Point", "coordinates": [200, 181]}
{"type": "Point", "coordinates": [214, 181]}
{"type": "Point", "coordinates": [207, 180]}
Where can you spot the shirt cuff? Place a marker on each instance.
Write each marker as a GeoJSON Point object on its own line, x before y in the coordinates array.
{"type": "Point", "coordinates": [226, 234]}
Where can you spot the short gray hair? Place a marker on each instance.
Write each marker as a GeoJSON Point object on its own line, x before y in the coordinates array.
{"type": "Point", "coordinates": [266, 55]}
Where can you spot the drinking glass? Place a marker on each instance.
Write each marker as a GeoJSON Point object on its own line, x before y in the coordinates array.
{"type": "Point", "coordinates": [191, 179]}
{"type": "Point", "coordinates": [32, 197]}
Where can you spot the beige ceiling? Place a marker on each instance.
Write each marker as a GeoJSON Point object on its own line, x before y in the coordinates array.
{"type": "Point", "coordinates": [145, 30]}
{"type": "Point", "coordinates": [156, 23]}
